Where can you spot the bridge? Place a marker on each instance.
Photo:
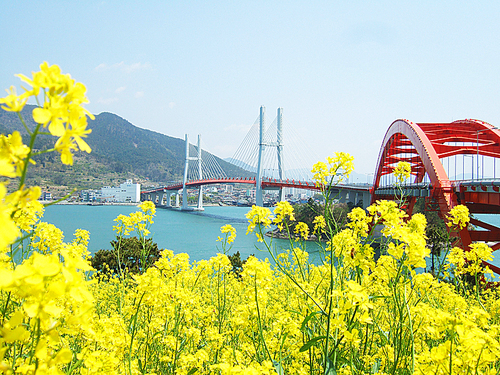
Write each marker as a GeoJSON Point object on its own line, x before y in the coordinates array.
{"type": "Point", "coordinates": [451, 164]}
{"type": "Point", "coordinates": [253, 156]}
{"type": "Point", "coordinates": [343, 193]}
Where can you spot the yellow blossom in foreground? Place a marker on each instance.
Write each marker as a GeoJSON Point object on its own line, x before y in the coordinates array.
{"type": "Point", "coordinates": [62, 110]}
{"type": "Point", "coordinates": [12, 154]}
{"type": "Point", "coordinates": [302, 231]}
{"type": "Point", "coordinates": [9, 231]}
{"type": "Point", "coordinates": [229, 237]}
{"type": "Point", "coordinates": [13, 102]}
{"type": "Point", "coordinates": [402, 171]}
{"type": "Point", "coordinates": [319, 224]}
{"type": "Point", "coordinates": [458, 217]}
{"type": "Point", "coordinates": [258, 215]}
{"type": "Point", "coordinates": [282, 211]}
{"type": "Point", "coordinates": [29, 215]}
{"type": "Point", "coordinates": [336, 170]}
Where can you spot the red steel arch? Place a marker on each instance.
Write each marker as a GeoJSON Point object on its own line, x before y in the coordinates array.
{"type": "Point", "coordinates": [422, 145]}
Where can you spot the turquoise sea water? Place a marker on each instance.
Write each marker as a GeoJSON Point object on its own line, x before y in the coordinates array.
{"type": "Point", "coordinates": [194, 233]}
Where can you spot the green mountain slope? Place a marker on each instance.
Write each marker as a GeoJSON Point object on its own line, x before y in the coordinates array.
{"type": "Point", "coordinates": [120, 150]}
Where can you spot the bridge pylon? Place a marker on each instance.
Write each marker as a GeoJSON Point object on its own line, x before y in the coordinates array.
{"type": "Point", "coordinates": [259, 201]}
{"type": "Point", "coordinates": [185, 206]}
{"type": "Point", "coordinates": [262, 148]}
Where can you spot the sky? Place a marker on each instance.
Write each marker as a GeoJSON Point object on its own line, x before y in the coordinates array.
{"type": "Point", "coordinates": [342, 71]}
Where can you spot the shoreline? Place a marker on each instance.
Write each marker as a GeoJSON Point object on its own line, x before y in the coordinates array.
{"type": "Point", "coordinates": [66, 203]}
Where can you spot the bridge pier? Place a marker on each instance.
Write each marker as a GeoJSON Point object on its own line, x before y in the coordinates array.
{"type": "Point", "coordinates": [168, 202]}
{"type": "Point", "coordinates": [345, 195]}
{"type": "Point", "coordinates": [199, 207]}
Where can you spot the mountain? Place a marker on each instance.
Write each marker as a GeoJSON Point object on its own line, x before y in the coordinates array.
{"type": "Point", "coordinates": [120, 150]}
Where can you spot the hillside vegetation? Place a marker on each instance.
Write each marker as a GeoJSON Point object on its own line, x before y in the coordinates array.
{"type": "Point", "coordinates": [120, 151]}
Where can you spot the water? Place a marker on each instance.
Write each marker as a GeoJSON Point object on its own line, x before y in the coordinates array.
{"type": "Point", "coordinates": [194, 233]}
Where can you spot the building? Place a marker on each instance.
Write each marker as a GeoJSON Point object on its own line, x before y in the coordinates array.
{"type": "Point", "coordinates": [126, 192]}
{"type": "Point", "coordinates": [90, 195]}
{"type": "Point", "coordinates": [46, 196]}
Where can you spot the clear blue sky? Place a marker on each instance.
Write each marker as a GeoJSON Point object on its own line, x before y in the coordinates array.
{"type": "Point", "coordinates": [343, 71]}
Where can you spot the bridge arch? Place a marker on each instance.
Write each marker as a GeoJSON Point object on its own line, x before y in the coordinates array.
{"type": "Point", "coordinates": [423, 145]}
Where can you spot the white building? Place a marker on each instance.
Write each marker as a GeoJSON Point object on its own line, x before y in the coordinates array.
{"type": "Point", "coordinates": [127, 192]}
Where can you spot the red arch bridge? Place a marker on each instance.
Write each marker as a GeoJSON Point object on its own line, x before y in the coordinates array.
{"type": "Point", "coordinates": [451, 164]}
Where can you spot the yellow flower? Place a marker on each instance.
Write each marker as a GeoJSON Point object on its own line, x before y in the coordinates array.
{"type": "Point", "coordinates": [62, 109]}
{"type": "Point", "coordinates": [320, 171]}
{"type": "Point", "coordinates": [302, 231]}
{"type": "Point", "coordinates": [402, 171]}
{"type": "Point", "coordinates": [228, 229]}
{"type": "Point", "coordinates": [458, 216]}
{"type": "Point", "coordinates": [258, 215]}
{"type": "Point", "coordinates": [12, 154]}
{"type": "Point", "coordinates": [9, 231]}
{"type": "Point", "coordinates": [359, 221]}
{"type": "Point", "coordinates": [338, 169]}
{"type": "Point", "coordinates": [13, 102]}
{"type": "Point", "coordinates": [319, 224]}
{"type": "Point", "coordinates": [283, 210]}
{"type": "Point", "coordinates": [29, 215]}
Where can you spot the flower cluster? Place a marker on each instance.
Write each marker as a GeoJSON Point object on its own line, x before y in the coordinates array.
{"type": "Point", "coordinates": [139, 221]}
{"type": "Point", "coordinates": [61, 109]}
{"type": "Point", "coordinates": [458, 217]}
{"type": "Point", "coordinates": [283, 211]}
{"type": "Point", "coordinates": [402, 171]}
{"type": "Point", "coordinates": [230, 233]}
{"type": "Point", "coordinates": [337, 169]}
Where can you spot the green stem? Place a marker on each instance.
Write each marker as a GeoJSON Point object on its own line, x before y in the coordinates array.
{"type": "Point", "coordinates": [28, 157]}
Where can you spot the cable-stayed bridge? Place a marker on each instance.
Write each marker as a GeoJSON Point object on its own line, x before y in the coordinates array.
{"type": "Point", "coordinates": [452, 163]}
{"type": "Point", "coordinates": [262, 154]}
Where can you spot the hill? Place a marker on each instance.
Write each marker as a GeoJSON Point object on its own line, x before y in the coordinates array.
{"type": "Point", "coordinates": [120, 151]}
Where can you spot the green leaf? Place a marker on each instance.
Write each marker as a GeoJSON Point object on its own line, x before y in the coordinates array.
{"type": "Point", "coordinates": [311, 342]}
{"type": "Point", "coordinates": [278, 368]}
{"type": "Point", "coordinates": [192, 371]}
{"type": "Point", "coordinates": [308, 318]}
{"type": "Point", "coordinates": [330, 370]}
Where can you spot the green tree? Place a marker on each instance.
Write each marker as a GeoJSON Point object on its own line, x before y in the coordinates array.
{"type": "Point", "coordinates": [306, 213]}
{"type": "Point", "coordinates": [130, 251]}
{"type": "Point", "coordinates": [436, 231]}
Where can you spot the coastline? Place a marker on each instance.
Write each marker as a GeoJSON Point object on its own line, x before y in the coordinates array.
{"type": "Point", "coordinates": [66, 203]}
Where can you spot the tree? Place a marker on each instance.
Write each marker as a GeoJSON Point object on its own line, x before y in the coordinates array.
{"type": "Point", "coordinates": [134, 256]}
{"type": "Point", "coordinates": [308, 211]}
{"type": "Point", "coordinates": [436, 232]}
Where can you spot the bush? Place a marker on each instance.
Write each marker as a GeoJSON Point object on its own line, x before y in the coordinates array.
{"type": "Point", "coordinates": [129, 254]}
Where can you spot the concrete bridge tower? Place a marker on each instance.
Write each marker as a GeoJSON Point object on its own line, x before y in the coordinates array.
{"type": "Point", "coordinates": [259, 201]}
{"type": "Point", "coordinates": [185, 206]}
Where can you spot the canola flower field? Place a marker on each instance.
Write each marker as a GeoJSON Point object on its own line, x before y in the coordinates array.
{"type": "Point", "coordinates": [354, 313]}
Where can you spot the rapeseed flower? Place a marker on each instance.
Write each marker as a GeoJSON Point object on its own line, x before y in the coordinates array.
{"type": "Point", "coordinates": [230, 233]}
{"type": "Point", "coordinates": [319, 224]}
{"type": "Point", "coordinates": [301, 230]}
{"type": "Point", "coordinates": [402, 171]}
{"type": "Point", "coordinates": [458, 217]}
{"type": "Point", "coordinates": [62, 110]}
{"type": "Point", "coordinates": [282, 212]}
{"type": "Point", "coordinates": [336, 170]}
{"type": "Point", "coordinates": [258, 216]}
